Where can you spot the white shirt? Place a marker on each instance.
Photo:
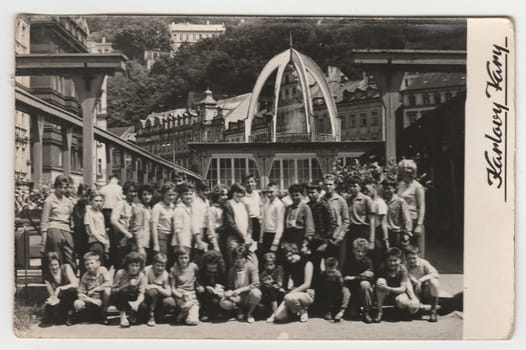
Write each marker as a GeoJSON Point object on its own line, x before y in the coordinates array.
{"type": "Point", "coordinates": [182, 226]}
{"type": "Point", "coordinates": [253, 201]}
{"type": "Point", "coordinates": [241, 217]}
{"type": "Point", "coordinates": [273, 216]}
{"type": "Point", "coordinates": [200, 212]}
{"type": "Point", "coordinates": [380, 210]}
{"type": "Point", "coordinates": [112, 194]}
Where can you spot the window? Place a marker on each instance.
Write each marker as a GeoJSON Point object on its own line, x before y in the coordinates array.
{"type": "Point", "coordinates": [289, 176]}
{"type": "Point", "coordinates": [374, 118]}
{"type": "Point", "coordinates": [303, 170]}
{"type": "Point", "coordinates": [353, 120]}
{"type": "Point", "coordinates": [448, 96]}
{"type": "Point", "coordinates": [363, 120]}
{"type": "Point", "coordinates": [240, 169]}
{"type": "Point", "coordinates": [225, 171]}
{"type": "Point", "coordinates": [275, 172]}
{"type": "Point", "coordinates": [412, 116]}
{"type": "Point", "coordinates": [437, 98]}
{"type": "Point", "coordinates": [412, 100]}
{"type": "Point", "coordinates": [343, 121]}
{"type": "Point", "coordinates": [426, 99]}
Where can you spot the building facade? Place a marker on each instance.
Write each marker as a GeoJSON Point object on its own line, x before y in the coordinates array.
{"type": "Point", "coordinates": [22, 123]}
{"type": "Point", "coordinates": [426, 91]}
{"type": "Point", "coordinates": [189, 33]}
{"type": "Point", "coordinates": [40, 35]}
{"type": "Point", "coordinates": [101, 110]}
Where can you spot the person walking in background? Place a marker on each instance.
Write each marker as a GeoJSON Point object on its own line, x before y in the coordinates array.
{"type": "Point", "coordinates": [56, 224]}
{"type": "Point", "coordinates": [414, 194]}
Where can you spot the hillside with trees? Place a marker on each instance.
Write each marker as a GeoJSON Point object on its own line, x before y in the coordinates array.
{"type": "Point", "coordinates": [229, 64]}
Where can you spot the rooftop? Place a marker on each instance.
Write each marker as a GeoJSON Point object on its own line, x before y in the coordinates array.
{"type": "Point", "coordinates": [197, 27]}
{"type": "Point", "coordinates": [421, 81]}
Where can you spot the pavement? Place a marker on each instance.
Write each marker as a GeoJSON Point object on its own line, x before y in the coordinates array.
{"type": "Point", "coordinates": [448, 327]}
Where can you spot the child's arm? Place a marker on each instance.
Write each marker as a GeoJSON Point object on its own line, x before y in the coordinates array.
{"type": "Point", "coordinates": [173, 282]}
{"type": "Point", "coordinates": [421, 206]}
{"type": "Point", "coordinates": [50, 289]}
{"type": "Point", "coordinates": [155, 234]}
{"type": "Point", "coordinates": [44, 224]}
{"type": "Point", "coordinates": [73, 281]}
{"type": "Point", "coordinates": [115, 216]}
{"type": "Point", "coordinates": [430, 272]}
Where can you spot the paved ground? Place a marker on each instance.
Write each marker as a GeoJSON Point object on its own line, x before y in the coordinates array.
{"type": "Point", "coordinates": [448, 327]}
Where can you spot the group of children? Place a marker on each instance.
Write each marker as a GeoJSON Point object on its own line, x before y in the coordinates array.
{"type": "Point", "coordinates": [199, 254]}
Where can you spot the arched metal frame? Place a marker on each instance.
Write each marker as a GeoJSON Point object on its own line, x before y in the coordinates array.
{"type": "Point", "coordinates": [303, 66]}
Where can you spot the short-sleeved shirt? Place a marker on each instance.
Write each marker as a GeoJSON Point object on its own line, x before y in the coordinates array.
{"type": "Point", "coordinates": [162, 216]}
{"type": "Point", "coordinates": [122, 277]}
{"type": "Point", "coordinates": [122, 213]}
{"type": "Point", "coordinates": [398, 217]}
{"type": "Point", "coordinates": [253, 202]}
{"type": "Point", "coordinates": [185, 279]}
{"type": "Point", "coordinates": [423, 268]}
{"type": "Point", "coordinates": [182, 221]}
{"type": "Point", "coordinates": [112, 194]}
{"type": "Point", "coordinates": [380, 210]}
{"type": "Point", "coordinates": [409, 193]}
{"type": "Point", "coordinates": [200, 212]}
{"type": "Point", "coordinates": [360, 207]}
{"type": "Point", "coordinates": [162, 280]}
{"type": "Point", "coordinates": [95, 220]}
{"type": "Point", "coordinates": [91, 281]}
{"type": "Point", "coordinates": [394, 278]}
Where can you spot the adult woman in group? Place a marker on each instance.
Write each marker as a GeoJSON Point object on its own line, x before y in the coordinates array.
{"type": "Point", "coordinates": [414, 194]}
{"type": "Point", "coordinates": [56, 224]}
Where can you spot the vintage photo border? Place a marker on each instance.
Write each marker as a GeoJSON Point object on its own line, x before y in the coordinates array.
{"type": "Point", "coordinates": [478, 321]}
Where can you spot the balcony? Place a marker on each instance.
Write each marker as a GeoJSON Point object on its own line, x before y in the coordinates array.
{"type": "Point", "coordinates": [294, 137]}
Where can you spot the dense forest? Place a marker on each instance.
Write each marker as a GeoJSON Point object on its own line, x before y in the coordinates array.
{"type": "Point", "coordinates": [229, 64]}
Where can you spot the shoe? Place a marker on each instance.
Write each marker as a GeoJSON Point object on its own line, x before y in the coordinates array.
{"type": "Point", "coordinates": [328, 316]}
{"type": "Point", "coordinates": [191, 323]}
{"type": "Point", "coordinates": [250, 319]}
{"type": "Point", "coordinates": [240, 316]}
{"type": "Point", "coordinates": [151, 322]}
{"type": "Point", "coordinates": [124, 322]}
{"type": "Point", "coordinates": [367, 318]}
{"type": "Point", "coordinates": [69, 321]}
{"type": "Point", "coordinates": [204, 318]}
{"type": "Point", "coordinates": [433, 316]}
{"type": "Point", "coordinates": [338, 317]}
{"type": "Point", "coordinates": [271, 319]}
{"type": "Point", "coordinates": [304, 315]}
{"type": "Point", "coordinates": [378, 317]}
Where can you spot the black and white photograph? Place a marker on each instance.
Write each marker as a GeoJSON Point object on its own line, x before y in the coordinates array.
{"type": "Point", "coordinates": [242, 177]}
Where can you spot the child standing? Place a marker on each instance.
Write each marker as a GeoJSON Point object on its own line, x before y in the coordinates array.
{"type": "Point", "coordinates": [238, 223]}
{"type": "Point", "coordinates": [80, 236]}
{"type": "Point", "coordinates": [158, 296]}
{"type": "Point", "coordinates": [98, 239]}
{"type": "Point", "coordinates": [358, 276]}
{"type": "Point", "coordinates": [393, 282]}
{"type": "Point", "coordinates": [123, 240]}
{"type": "Point", "coordinates": [184, 282]}
{"type": "Point", "coordinates": [182, 220]}
{"type": "Point", "coordinates": [332, 299]}
{"type": "Point", "coordinates": [380, 224]}
{"type": "Point", "coordinates": [424, 279]}
{"type": "Point", "coordinates": [128, 287]}
{"type": "Point", "coordinates": [243, 286]}
{"type": "Point", "coordinates": [212, 279]}
{"type": "Point", "coordinates": [142, 222]}
{"type": "Point", "coordinates": [94, 289]}
{"type": "Point", "coordinates": [272, 219]}
{"type": "Point", "coordinates": [271, 278]}
{"type": "Point", "coordinates": [298, 219]}
{"type": "Point", "coordinates": [200, 221]}
{"type": "Point", "coordinates": [399, 224]}
{"type": "Point", "coordinates": [61, 284]}
{"type": "Point", "coordinates": [162, 220]}
{"type": "Point", "coordinates": [216, 225]}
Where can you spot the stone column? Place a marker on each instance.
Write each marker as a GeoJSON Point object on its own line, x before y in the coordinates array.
{"type": "Point", "coordinates": [67, 138]}
{"type": "Point", "coordinates": [109, 161]}
{"type": "Point", "coordinates": [37, 140]}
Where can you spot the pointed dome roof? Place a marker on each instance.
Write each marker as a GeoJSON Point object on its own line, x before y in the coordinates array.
{"type": "Point", "coordinates": [307, 71]}
{"type": "Point", "coordinates": [209, 98]}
